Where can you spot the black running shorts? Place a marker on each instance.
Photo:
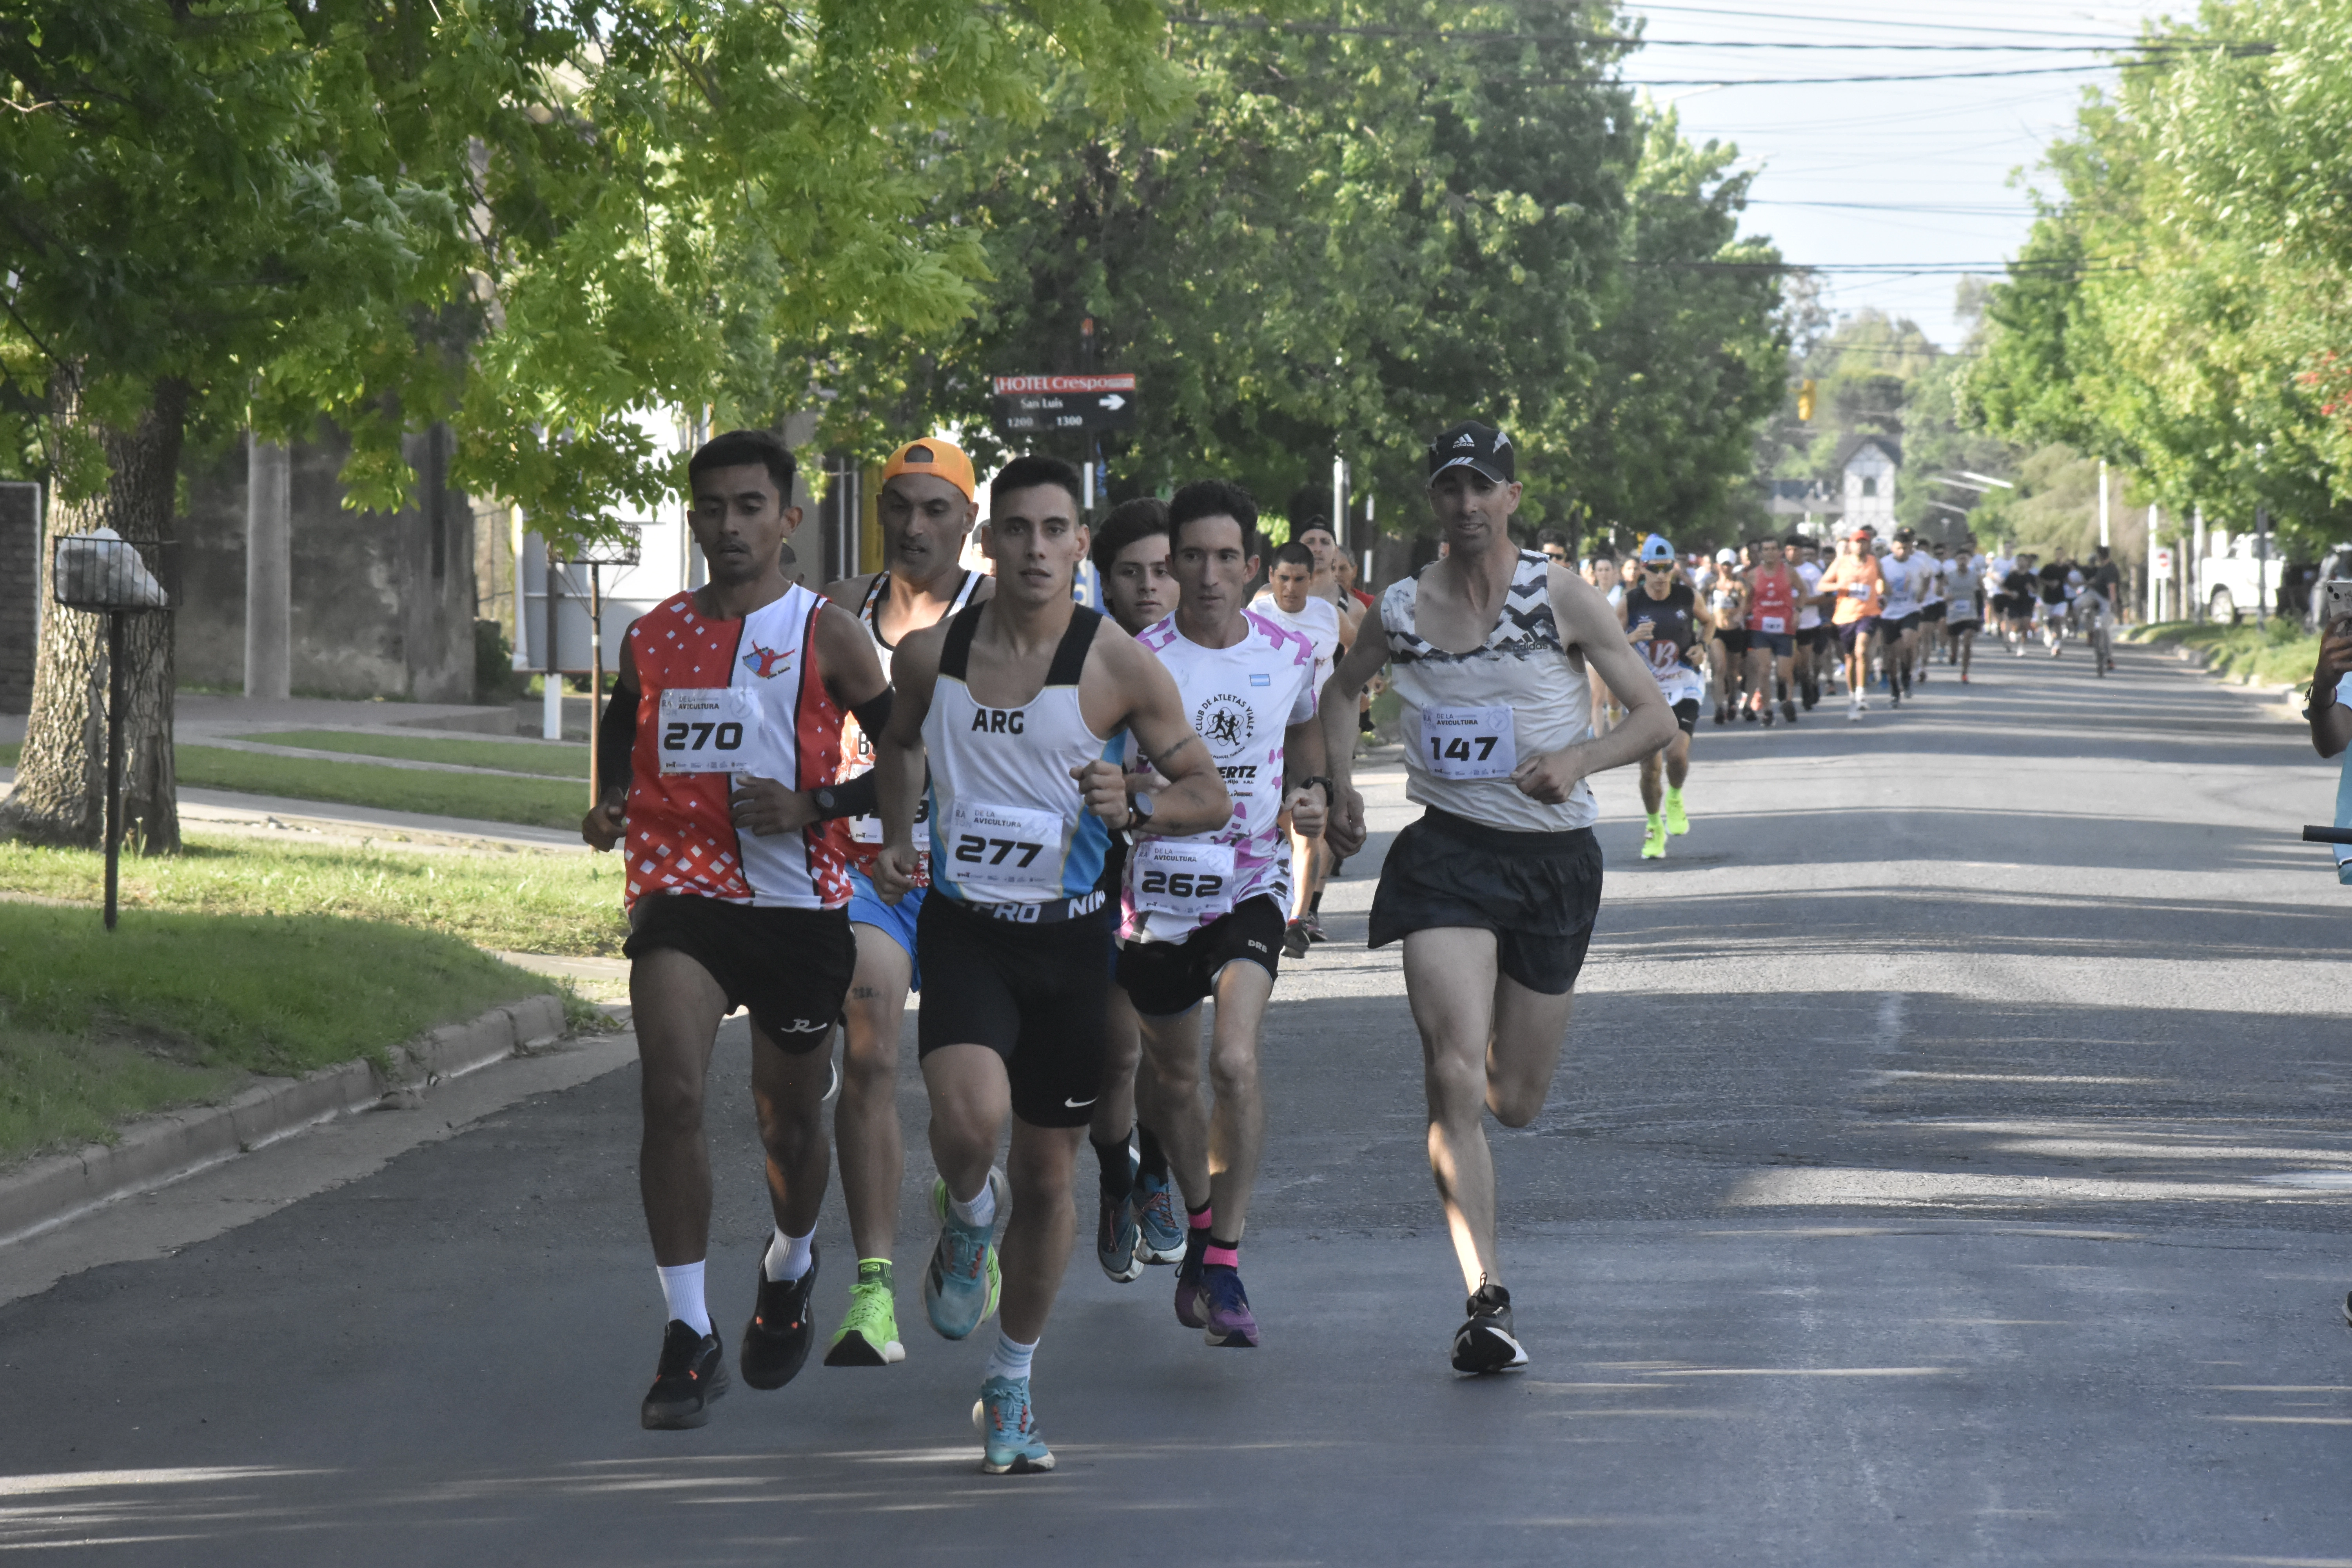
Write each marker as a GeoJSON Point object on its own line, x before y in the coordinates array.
{"type": "Point", "coordinates": [1687, 715]}
{"type": "Point", "coordinates": [1733, 638]}
{"type": "Point", "coordinates": [1934, 612]}
{"type": "Point", "coordinates": [788, 968]}
{"type": "Point", "coordinates": [1538, 892]}
{"type": "Point", "coordinates": [1854, 630]}
{"type": "Point", "coordinates": [1165, 978]}
{"type": "Point", "coordinates": [1034, 994]}
{"type": "Point", "coordinates": [1959, 623]}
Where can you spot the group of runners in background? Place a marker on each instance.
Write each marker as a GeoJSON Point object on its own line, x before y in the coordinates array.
{"type": "Point", "coordinates": [1767, 630]}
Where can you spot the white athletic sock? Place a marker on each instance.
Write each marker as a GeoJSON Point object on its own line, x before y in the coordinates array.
{"type": "Point", "coordinates": [980, 1210]}
{"type": "Point", "coordinates": [1010, 1358]}
{"type": "Point", "coordinates": [789, 1257]}
{"type": "Point", "coordinates": [682, 1293]}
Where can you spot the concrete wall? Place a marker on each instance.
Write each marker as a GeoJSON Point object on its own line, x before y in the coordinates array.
{"type": "Point", "coordinates": [383, 602]}
{"type": "Point", "coordinates": [20, 590]}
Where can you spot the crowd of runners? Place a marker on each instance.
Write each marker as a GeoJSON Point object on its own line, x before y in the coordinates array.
{"type": "Point", "coordinates": [1064, 831]}
{"type": "Point", "coordinates": [1765, 632]}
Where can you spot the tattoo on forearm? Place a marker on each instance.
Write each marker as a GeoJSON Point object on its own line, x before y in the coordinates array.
{"type": "Point", "coordinates": [1161, 761]}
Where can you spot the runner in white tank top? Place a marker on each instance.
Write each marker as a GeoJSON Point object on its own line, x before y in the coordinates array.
{"type": "Point", "coordinates": [1493, 891]}
{"type": "Point", "coordinates": [1021, 704]}
{"type": "Point", "coordinates": [1204, 913]}
{"type": "Point", "coordinates": [927, 510]}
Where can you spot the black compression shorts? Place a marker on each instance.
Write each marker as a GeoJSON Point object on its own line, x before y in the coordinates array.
{"type": "Point", "coordinates": [788, 968]}
{"type": "Point", "coordinates": [1034, 994]}
{"type": "Point", "coordinates": [1166, 978]}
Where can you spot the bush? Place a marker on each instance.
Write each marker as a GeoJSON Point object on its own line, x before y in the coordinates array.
{"type": "Point", "coordinates": [496, 679]}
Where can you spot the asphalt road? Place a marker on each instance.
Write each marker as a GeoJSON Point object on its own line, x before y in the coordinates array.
{"type": "Point", "coordinates": [1950, 1164]}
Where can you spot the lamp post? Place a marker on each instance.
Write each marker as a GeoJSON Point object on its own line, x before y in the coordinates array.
{"type": "Point", "coordinates": [596, 555]}
{"type": "Point", "coordinates": [103, 573]}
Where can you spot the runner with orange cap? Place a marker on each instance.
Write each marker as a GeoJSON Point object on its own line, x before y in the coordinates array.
{"type": "Point", "coordinates": [927, 508]}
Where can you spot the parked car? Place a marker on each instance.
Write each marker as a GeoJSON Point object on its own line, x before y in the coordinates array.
{"type": "Point", "coordinates": [2238, 576]}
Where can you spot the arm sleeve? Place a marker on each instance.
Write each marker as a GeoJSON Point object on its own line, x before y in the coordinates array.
{"type": "Point", "coordinates": [860, 796]}
{"type": "Point", "coordinates": [617, 738]}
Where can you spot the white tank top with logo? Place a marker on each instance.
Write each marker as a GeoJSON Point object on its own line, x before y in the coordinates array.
{"type": "Point", "coordinates": [1469, 718]}
{"type": "Point", "coordinates": [1240, 700]}
{"type": "Point", "coordinates": [1008, 827]}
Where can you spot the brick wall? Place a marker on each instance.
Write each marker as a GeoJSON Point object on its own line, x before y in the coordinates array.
{"type": "Point", "coordinates": [20, 588]}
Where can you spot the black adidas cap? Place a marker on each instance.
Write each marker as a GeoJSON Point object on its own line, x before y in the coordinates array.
{"type": "Point", "coordinates": [1480, 446]}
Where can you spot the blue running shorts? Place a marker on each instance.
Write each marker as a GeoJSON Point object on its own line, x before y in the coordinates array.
{"type": "Point", "coordinates": [896, 921]}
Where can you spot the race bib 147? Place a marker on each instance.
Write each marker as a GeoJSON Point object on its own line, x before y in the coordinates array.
{"type": "Point", "coordinates": [1469, 743]}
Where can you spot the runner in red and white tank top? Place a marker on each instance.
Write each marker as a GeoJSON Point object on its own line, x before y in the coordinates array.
{"type": "Point", "coordinates": [730, 698]}
{"type": "Point", "coordinates": [1773, 590]}
{"type": "Point", "coordinates": [724, 726]}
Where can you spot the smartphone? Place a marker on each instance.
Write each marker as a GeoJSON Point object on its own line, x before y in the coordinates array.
{"type": "Point", "coordinates": [2335, 601]}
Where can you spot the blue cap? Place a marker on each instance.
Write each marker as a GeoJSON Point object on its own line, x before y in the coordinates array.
{"type": "Point", "coordinates": [1655, 548]}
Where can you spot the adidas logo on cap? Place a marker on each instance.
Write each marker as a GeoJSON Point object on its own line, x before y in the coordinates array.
{"type": "Point", "coordinates": [1465, 439]}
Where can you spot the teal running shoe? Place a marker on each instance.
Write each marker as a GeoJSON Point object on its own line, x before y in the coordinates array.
{"type": "Point", "coordinates": [1009, 1444]}
{"type": "Point", "coordinates": [1160, 1221]}
{"type": "Point", "coordinates": [959, 1287]}
{"type": "Point", "coordinates": [1116, 1236]}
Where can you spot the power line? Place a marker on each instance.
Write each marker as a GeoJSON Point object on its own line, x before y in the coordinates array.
{"type": "Point", "coordinates": [1868, 22]}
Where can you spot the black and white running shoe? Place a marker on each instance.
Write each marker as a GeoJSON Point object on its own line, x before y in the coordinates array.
{"type": "Point", "coordinates": [776, 1341]}
{"type": "Point", "coordinates": [692, 1373]}
{"type": "Point", "coordinates": [1485, 1342]}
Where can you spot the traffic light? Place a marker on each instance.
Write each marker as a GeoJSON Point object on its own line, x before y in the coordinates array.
{"type": "Point", "coordinates": [1805, 402]}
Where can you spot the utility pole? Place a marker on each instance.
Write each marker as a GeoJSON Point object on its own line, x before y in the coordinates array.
{"type": "Point", "coordinates": [1086, 366]}
{"type": "Point", "coordinates": [268, 570]}
{"type": "Point", "coordinates": [2103, 540]}
{"type": "Point", "coordinates": [2262, 565]}
{"type": "Point", "coordinates": [2155, 589]}
{"type": "Point", "coordinates": [2192, 602]}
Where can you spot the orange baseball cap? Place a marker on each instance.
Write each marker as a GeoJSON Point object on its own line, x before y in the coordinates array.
{"type": "Point", "coordinates": [941, 460]}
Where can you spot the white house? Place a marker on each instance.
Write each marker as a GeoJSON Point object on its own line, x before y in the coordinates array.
{"type": "Point", "coordinates": [1867, 462]}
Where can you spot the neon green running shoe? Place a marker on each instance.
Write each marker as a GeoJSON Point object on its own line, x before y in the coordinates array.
{"type": "Point", "coordinates": [868, 1335]}
{"type": "Point", "coordinates": [1653, 841]}
{"type": "Point", "coordinates": [1677, 823]}
{"type": "Point", "coordinates": [961, 1287]}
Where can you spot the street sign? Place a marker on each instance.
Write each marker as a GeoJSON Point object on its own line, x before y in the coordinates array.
{"type": "Point", "coordinates": [2162, 564]}
{"type": "Point", "coordinates": [1026, 404]}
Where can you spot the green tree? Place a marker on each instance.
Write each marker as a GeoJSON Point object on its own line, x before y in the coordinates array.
{"type": "Point", "coordinates": [2180, 307]}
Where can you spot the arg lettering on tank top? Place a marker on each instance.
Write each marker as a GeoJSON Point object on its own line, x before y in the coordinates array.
{"type": "Point", "coordinates": [1469, 743]}
{"type": "Point", "coordinates": [708, 729]}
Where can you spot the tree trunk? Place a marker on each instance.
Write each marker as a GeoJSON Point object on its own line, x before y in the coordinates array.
{"type": "Point", "coordinates": [60, 794]}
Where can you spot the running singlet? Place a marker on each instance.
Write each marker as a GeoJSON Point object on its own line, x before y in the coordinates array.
{"type": "Point", "coordinates": [857, 752]}
{"type": "Point", "coordinates": [1906, 581]}
{"type": "Point", "coordinates": [1666, 651]}
{"type": "Point", "coordinates": [719, 699]}
{"type": "Point", "coordinates": [1318, 621]}
{"type": "Point", "coordinates": [1963, 578]}
{"type": "Point", "coordinates": [1469, 718]}
{"type": "Point", "coordinates": [1809, 616]}
{"type": "Point", "coordinates": [1008, 827]}
{"type": "Point", "coordinates": [1240, 700]}
{"type": "Point", "coordinates": [1855, 581]}
{"type": "Point", "coordinates": [1932, 588]}
{"type": "Point", "coordinates": [1772, 602]}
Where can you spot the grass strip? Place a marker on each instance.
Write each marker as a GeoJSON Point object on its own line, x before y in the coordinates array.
{"type": "Point", "coordinates": [179, 1008]}
{"type": "Point", "coordinates": [566, 762]}
{"type": "Point", "coordinates": [480, 795]}
{"type": "Point", "coordinates": [2277, 654]}
{"type": "Point", "coordinates": [513, 901]}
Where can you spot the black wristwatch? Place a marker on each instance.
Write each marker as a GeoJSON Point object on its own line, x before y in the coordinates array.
{"type": "Point", "coordinates": [1318, 779]}
{"type": "Point", "coordinates": [1139, 809]}
{"type": "Point", "coordinates": [827, 803]}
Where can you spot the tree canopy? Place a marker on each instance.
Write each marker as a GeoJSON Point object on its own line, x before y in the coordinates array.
{"type": "Point", "coordinates": [2181, 307]}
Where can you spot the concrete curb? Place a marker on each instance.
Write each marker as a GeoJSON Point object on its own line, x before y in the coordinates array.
{"type": "Point", "coordinates": [160, 1150]}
